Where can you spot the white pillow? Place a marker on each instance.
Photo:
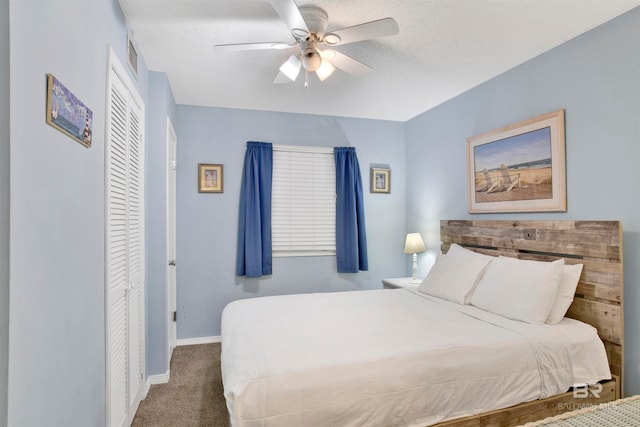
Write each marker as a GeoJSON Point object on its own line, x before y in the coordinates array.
{"type": "Point", "coordinates": [453, 278]}
{"type": "Point", "coordinates": [459, 251]}
{"type": "Point", "coordinates": [566, 291]}
{"type": "Point", "coordinates": [519, 289]}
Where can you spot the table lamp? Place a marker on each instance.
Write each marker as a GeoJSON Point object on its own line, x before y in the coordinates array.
{"type": "Point", "coordinates": [412, 245]}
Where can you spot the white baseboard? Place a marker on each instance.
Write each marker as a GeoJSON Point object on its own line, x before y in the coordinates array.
{"type": "Point", "coordinates": [158, 379]}
{"type": "Point", "coordinates": [155, 379]}
{"type": "Point", "coordinates": [199, 340]}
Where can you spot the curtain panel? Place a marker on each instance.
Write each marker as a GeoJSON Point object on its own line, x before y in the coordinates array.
{"type": "Point", "coordinates": [254, 258]}
{"type": "Point", "coordinates": [351, 236]}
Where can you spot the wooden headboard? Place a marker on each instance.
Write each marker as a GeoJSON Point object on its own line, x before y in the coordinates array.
{"type": "Point", "coordinates": [595, 244]}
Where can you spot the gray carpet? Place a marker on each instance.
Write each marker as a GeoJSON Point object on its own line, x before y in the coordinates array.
{"type": "Point", "coordinates": [192, 397]}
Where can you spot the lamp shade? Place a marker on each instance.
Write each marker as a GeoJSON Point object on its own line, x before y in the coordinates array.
{"type": "Point", "coordinates": [325, 70]}
{"type": "Point", "coordinates": [291, 68]}
{"type": "Point", "coordinates": [414, 244]}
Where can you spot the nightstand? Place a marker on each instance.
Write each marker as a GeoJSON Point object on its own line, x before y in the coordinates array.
{"type": "Point", "coordinates": [399, 282]}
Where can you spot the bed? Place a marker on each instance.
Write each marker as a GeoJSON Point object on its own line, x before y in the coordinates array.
{"type": "Point", "coordinates": [397, 357]}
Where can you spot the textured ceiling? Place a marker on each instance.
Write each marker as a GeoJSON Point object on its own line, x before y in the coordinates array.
{"type": "Point", "coordinates": [444, 48]}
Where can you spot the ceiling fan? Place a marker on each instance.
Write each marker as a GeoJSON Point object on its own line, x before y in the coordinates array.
{"type": "Point", "coordinates": [313, 46]}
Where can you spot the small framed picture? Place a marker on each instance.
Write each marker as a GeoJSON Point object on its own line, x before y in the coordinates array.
{"type": "Point", "coordinates": [67, 113]}
{"type": "Point", "coordinates": [380, 180]}
{"type": "Point", "coordinates": [210, 178]}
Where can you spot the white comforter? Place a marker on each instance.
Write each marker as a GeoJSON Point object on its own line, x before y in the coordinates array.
{"type": "Point", "coordinates": [391, 358]}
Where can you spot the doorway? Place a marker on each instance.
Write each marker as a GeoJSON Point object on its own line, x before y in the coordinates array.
{"type": "Point", "coordinates": [172, 144]}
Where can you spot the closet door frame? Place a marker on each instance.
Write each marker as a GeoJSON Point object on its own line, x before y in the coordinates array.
{"type": "Point", "coordinates": [172, 278]}
{"type": "Point", "coordinates": [121, 408]}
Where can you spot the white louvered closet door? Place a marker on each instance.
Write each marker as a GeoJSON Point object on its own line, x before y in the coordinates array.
{"type": "Point", "coordinates": [135, 243]}
{"type": "Point", "coordinates": [124, 248]}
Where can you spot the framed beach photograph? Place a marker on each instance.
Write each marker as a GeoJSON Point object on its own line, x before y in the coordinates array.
{"type": "Point", "coordinates": [380, 180]}
{"type": "Point", "coordinates": [519, 168]}
{"type": "Point", "coordinates": [210, 178]}
{"type": "Point", "coordinates": [67, 113]}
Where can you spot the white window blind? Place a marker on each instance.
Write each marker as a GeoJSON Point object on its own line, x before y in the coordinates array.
{"type": "Point", "coordinates": [303, 211]}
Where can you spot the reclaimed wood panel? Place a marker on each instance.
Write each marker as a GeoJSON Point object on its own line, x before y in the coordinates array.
{"type": "Point", "coordinates": [614, 353]}
{"type": "Point", "coordinates": [598, 300]}
{"type": "Point", "coordinates": [607, 317]}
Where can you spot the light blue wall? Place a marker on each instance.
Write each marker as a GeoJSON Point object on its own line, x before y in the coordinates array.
{"type": "Point", "coordinates": [160, 106]}
{"type": "Point", "coordinates": [596, 79]}
{"type": "Point", "coordinates": [57, 330]}
{"type": "Point", "coordinates": [55, 337]}
{"type": "Point", "coordinates": [4, 207]}
{"type": "Point", "coordinates": [207, 223]}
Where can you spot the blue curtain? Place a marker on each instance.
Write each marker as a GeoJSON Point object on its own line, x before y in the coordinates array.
{"type": "Point", "coordinates": [351, 236]}
{"type": "Point", "coordinates": [254, 225]}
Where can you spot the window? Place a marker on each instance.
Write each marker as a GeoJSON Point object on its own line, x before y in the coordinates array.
{"type": "Point", "coordinates": [303, 210]}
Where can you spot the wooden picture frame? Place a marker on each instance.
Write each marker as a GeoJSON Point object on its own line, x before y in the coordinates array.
{"type": "Point", "coordinates": [66, 113]}
{"type": "Point", "coordinates": [210, 178]}
{"type": "Point", "coordinates": [380, 180]}
{"type": "Point", "coordinates": [519, 168]}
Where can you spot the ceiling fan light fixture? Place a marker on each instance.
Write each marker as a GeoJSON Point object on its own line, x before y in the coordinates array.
{"type": "Point", "coordinates": [311, 59]}
{"type": "Point", "coordinates": [325, 70]}
{"type": "Point", "coordinates": [291, 68]}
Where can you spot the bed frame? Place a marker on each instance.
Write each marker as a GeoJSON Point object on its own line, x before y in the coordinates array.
{"type": "Point", "coordinates": [598, 300]}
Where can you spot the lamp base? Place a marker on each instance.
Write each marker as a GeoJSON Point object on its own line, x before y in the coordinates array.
{"type": "Point", "coordinates": [414, 278]}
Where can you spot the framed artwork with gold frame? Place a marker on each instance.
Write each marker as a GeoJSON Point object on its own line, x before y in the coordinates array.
{"type": "Point", "coordinates": [380, 180]}
{"type": "Point", "coordinates": [210, 178]}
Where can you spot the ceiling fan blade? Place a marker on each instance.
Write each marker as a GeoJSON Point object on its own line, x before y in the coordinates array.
{"type": "Point", "coordinates": [290, 14]}
{"type": "Point", "coordinates": [234, 47]}
{"type": "Point", "coordinates": [368, 30]}
{"type": "Point", "coordinates": [346, 63]}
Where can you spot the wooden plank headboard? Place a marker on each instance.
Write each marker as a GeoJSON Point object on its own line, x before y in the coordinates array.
{"type": "Point", "coordinates": [595, 244]}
